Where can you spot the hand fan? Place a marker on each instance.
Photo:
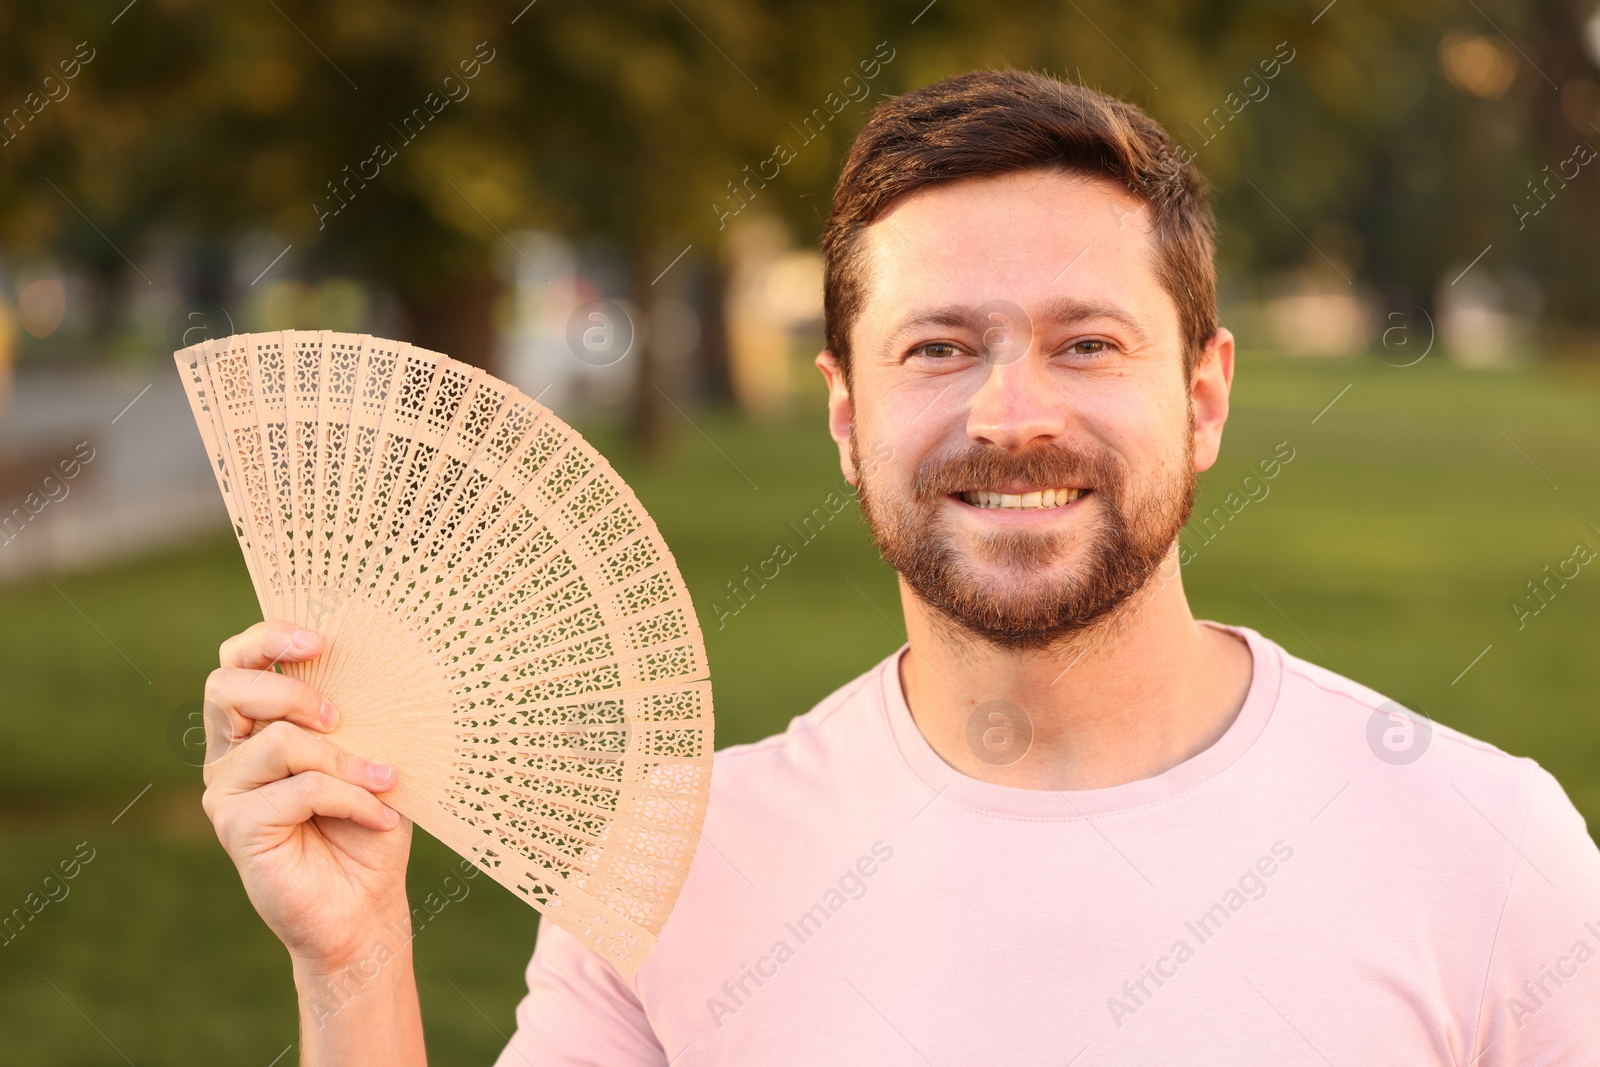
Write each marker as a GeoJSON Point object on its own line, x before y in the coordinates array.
{"type": "Point", "coordinates": [503, 622]}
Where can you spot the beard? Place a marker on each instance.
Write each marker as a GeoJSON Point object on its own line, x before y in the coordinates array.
{"type": "Point", "coordinates": [1124, 534]}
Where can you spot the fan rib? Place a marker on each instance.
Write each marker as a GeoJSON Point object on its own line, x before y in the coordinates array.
{"type": "Point", "coordinates": [503, 620]}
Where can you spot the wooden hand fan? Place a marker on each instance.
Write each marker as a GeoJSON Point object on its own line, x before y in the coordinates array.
{"type": "Point", "coordinates": [503, 622]}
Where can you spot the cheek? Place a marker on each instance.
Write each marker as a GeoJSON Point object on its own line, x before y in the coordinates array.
{"type": "Point", "coordinates": [1169, 413]}
{"type": "Point", "coordinates": [1142, 425]}
{"type": "Point", "coordinates": [904, 425]}
{"type": "Point", "coordinates": [886, 466]}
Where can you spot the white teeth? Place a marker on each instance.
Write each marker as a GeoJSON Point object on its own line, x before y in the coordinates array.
{"type": "Point", "coordinates": [1043, 498]}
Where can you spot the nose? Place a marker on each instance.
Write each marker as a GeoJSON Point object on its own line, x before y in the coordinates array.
{"type": "Point", "coordinates": [1018, 405]}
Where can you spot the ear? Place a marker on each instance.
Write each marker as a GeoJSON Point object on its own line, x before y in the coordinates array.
{"type": "Point", "coordinates": [1208, 392]}
{"type": "Point", "coordinates": [841, 411]}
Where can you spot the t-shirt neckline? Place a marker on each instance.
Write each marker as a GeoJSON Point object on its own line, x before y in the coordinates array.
{"type": "Point", "coordinates": [951, 786]}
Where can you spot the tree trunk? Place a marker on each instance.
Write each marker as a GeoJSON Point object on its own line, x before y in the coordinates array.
{"type": "Point", "coordinates": [646, 420]}
{"type": "Point", "coordinates": [716, 381]}
{"type": "Point", "coordinates": [456, 319]}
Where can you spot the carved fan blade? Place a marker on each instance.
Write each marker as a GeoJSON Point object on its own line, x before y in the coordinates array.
{"type": "Point", "coordinates": [503, 621]}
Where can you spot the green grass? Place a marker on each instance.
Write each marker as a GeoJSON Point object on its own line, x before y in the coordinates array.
{"type": "Point", "coordinates": [1389, 548]}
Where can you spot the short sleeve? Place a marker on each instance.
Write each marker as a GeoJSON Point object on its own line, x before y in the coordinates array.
{"type": "Point", "coordinates": [579, 1011]}
{"type": "Point", "coordinates": [1541, 1001]}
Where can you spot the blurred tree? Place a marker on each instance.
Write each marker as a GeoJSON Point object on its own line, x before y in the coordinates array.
{"type": "Point", "coordinates": [401, 141]}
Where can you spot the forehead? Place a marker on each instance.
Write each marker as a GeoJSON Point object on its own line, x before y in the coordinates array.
{"type": "Point", "coordinates": [1033, 238]}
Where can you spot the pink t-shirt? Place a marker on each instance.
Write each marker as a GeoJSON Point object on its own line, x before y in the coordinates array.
{"type": "Point", "coordinates": [1308, 890]}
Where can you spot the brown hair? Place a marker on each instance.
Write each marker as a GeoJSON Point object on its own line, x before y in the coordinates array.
{"type": "Point", "coordinates": [987, 123]}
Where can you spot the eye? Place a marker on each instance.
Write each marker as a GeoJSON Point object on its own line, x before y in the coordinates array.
{"type": "Point", "coordinates": [937, 350]}
{"type": "Point", "coordinates": [1089, 347]}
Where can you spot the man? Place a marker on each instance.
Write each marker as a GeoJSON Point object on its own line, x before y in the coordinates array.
{"type": "Point", "coordinates": [1067, 823]}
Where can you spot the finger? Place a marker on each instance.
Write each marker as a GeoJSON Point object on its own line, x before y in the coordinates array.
{"type": "Point", "coordinates": [265, 695]}
{"type": "Point", "coordinates": [283, 750]}
{"type": "Point", "coordinates": [270, 642]}
{"type": "Point", "coordinates": [292, 801]}
{"type": "Point", "coordinates": [239, 701]}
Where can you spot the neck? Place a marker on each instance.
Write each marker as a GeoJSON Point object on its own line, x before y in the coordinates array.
{"type": "Point", "coordinates": [1138, 693]}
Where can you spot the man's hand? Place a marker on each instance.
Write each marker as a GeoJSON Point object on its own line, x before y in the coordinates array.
{"type": "Point", "coordinates": [322, 858]}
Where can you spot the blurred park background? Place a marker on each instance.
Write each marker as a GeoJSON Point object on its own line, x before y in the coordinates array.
{"type": "Point", "coordinates": [1410, 255]}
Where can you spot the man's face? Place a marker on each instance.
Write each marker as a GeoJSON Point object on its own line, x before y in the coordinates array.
{"type": "Point", "coordinates": [1018, 423]}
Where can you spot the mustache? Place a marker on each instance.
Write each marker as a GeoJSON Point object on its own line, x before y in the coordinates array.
{"type": "Point", "coordinates": [990, 468]}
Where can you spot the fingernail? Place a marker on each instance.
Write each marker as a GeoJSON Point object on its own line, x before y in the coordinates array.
{"type": "Point", "coordinates": [330, 715]}
{"type": "Point", "coordinates": [380, 773]}
{"type": "Point", "coordinates": [391, 818]}
{"type": "Point", "coordinates": [303, 640]}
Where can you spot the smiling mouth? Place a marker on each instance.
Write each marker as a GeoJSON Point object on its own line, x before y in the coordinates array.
{"type": "Point", "coordinates": [1039, 498]}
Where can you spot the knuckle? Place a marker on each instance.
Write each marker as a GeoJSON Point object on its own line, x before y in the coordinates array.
{"type": "Point", "coordinates": [214, 768]}
{"type": "Point", "coordinates": [221, 816]}
{"type": "Point", "coordinates": [214, 682]}
{"type": "Point", "coordinates": [280, 733]}
{"type": "Point", "coordinates": [218, 767]}
{"type": "Point", "coordinates": [311, 785]}
{"type": "Point", "coordinates": [274, 741]}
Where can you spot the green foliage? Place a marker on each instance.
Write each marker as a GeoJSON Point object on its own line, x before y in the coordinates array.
{"type": "Point", "coordinates": [628, 120]}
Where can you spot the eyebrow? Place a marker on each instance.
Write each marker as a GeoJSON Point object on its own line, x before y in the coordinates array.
{"type": "Point", "coordinates": [1055, 312]}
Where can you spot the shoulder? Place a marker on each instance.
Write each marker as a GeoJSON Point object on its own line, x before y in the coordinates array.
{"type": "Point", "coordinates": [814, 748]}
{"type": "Point", "coordinates": [1413, 762]}
{"type": "Point", "coordinates": [1317, 700]}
